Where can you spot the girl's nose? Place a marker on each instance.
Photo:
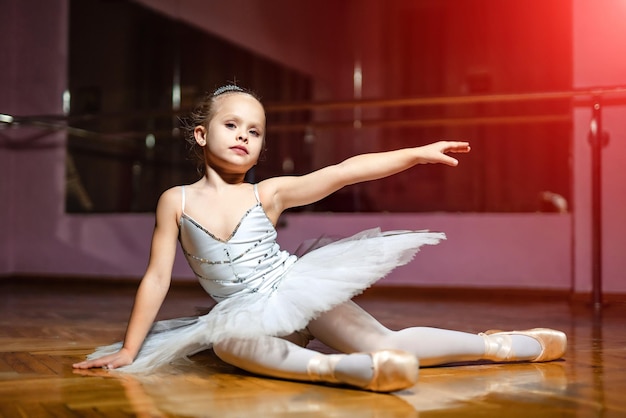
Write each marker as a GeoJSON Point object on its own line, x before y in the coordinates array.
{"type": "Point", "coordinates": [243, 137]}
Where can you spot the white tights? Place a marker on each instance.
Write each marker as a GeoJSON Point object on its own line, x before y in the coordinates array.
{"type": "Point", "coordinates": [349, 329]}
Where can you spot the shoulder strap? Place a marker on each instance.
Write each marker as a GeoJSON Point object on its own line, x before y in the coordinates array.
{"type": "Point", "coordinates": [256, 193]}
{"type": "Point", "coordinates": [183, 198]}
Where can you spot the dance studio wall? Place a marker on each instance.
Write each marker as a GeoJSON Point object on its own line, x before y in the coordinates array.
{"type": "Point", "coordinates": [33, 60]}
{"type": "Point", "coordinates": [535, 251]}
{"type": "Point", "coordinates": [600, 60]}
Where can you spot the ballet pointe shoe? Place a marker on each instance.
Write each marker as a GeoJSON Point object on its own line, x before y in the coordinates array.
{"type": "Point", "coordinates": [499, 346]}
{"type": "Point", "coordinates": [393, 370]}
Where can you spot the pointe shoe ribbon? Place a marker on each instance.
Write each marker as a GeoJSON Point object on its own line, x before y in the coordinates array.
{"type": "Point", "coordinates": [322, 368]}
{"type": "Point", "coordinates": [499, 347]}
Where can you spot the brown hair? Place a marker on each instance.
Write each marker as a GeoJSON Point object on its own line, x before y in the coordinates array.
{"type": "Point", "coordinates": [202, 115]}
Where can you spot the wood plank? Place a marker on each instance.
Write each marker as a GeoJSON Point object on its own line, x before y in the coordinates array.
{"type": "Point", "coordinates": [39, 341]}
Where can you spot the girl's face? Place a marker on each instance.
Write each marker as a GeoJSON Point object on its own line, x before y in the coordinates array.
{"type": "Point", "coordinates": [235, 135]}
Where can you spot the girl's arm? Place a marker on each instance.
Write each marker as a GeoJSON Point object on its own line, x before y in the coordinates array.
{"type": "Point", "coordinates": [153, 287]}
{"type": "Point", "coordinates": [285, 192]}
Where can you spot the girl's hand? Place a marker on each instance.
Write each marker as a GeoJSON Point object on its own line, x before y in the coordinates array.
{"type": "Point", "coordinates": [437, 152]}
{"type": "Point", "coordinates": [112, 361]}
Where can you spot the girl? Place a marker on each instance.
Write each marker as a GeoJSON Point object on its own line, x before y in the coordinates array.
{"type": "Point", "coordinates": [270, 303]}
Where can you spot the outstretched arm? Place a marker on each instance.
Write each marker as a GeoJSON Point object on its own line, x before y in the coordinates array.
{"type": "Point", "coordinates": [153, 287]}
{"type": "Point", "coordinates": [287, 192]}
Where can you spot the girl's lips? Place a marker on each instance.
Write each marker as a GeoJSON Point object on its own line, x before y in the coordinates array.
{"type": "Point", "coordinates": [239, 149]}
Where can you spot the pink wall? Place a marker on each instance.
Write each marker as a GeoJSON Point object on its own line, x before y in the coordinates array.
{"type": "Point", "coordinates": [33, 71]}
{"type": "Point", "coordinates": [490, 250]}
{"type": "Point", "coordinates": [600, 60]}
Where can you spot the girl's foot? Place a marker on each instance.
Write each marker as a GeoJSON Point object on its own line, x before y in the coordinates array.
{"type": "Point", "coordinates": [499, 345]}
{"type": "Point", "coordinates": [380, 371]}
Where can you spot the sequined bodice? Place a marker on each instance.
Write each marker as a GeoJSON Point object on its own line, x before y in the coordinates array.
{"type": "Point", "coordinates": [250, 260]}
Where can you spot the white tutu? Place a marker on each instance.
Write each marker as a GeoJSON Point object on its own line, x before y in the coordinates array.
{"type": "Point", "coordinates": [315, 283]}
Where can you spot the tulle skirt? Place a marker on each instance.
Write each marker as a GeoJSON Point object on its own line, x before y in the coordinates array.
{"type": "Point", "coordinates": [319, 280]}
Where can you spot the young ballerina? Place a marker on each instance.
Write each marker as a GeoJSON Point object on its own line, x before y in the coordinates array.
{"type": "Point", "coordinates": [272, 303]}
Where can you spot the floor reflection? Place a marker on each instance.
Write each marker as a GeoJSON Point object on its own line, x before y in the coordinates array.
{"type": "Point", "coordinates": [194, 391]}
{"type": "Point", "coordinates": [454, 387]}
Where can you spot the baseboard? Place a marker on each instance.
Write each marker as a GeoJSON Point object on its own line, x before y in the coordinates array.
{"type": "Point", "coordinates": [397, 292]}
{"type": "Point", "coordinates": [464, 293]}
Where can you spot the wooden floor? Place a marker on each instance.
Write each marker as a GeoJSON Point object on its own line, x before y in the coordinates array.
{"type": "Point", "coordinates": [45, 326]}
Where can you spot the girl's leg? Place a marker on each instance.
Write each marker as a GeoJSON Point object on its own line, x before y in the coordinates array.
{"type": "Point", "coordinates": [348, 328]}
{"type": "Point", "coordinates": [277, 357]}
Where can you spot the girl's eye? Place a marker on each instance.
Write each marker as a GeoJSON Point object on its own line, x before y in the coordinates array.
{"type": "Point", "coordinates": [230, 125]}
{"type": "Point", "coordinates": [255, 133]}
